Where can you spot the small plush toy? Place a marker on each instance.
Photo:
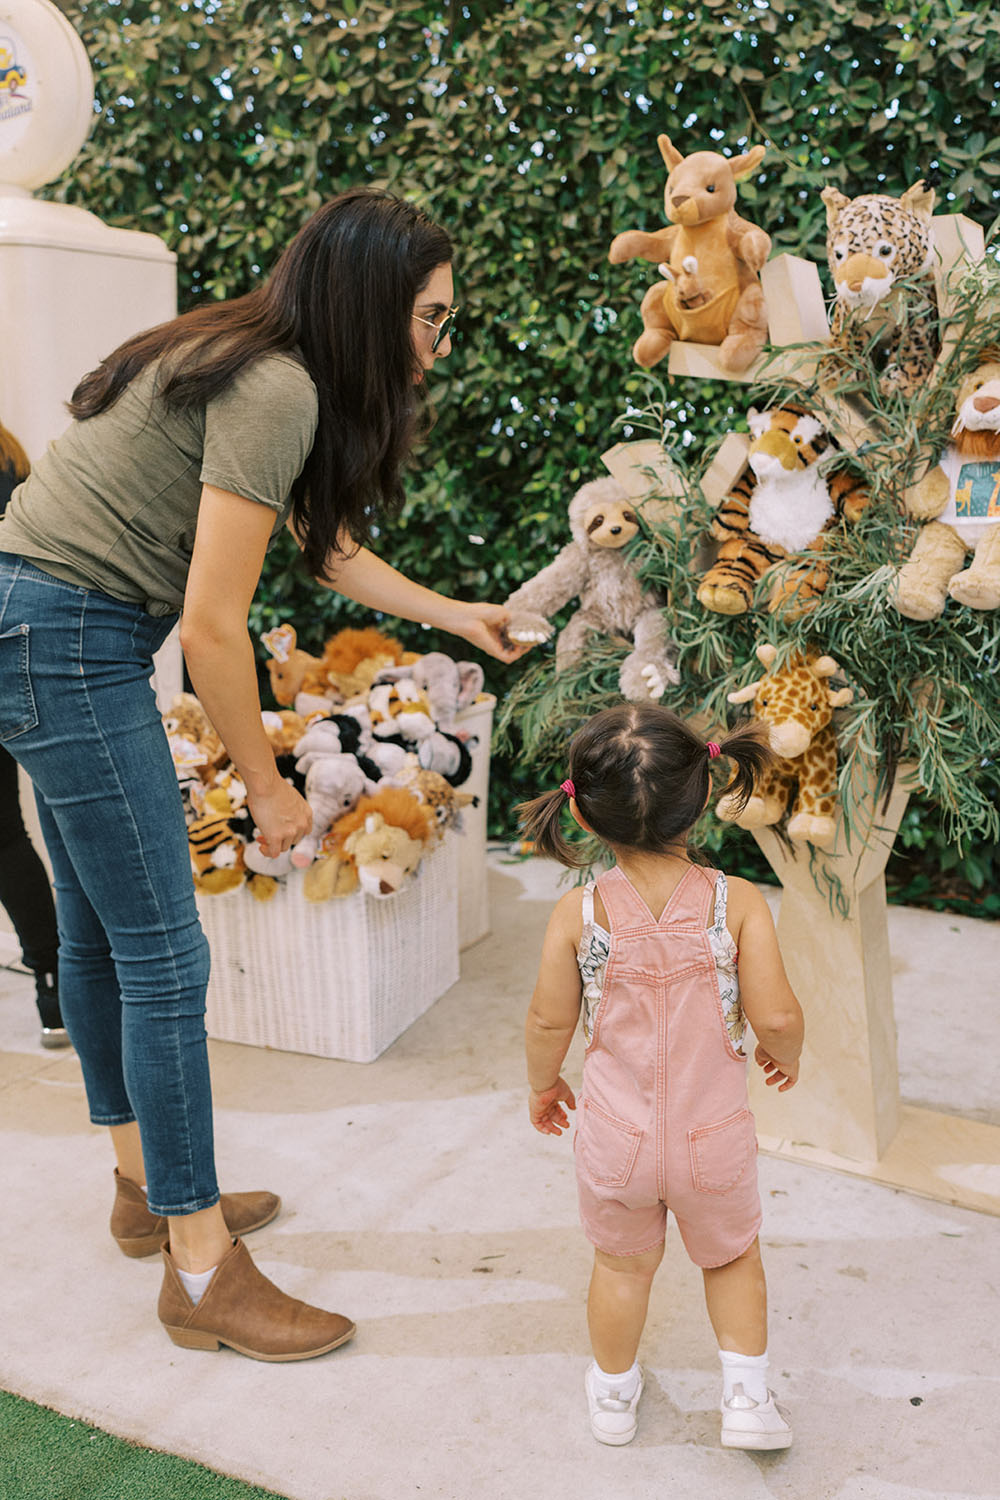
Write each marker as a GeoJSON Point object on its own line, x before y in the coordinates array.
{"type": "Point", "coordinates": [186, 721]}
{"type": "Point", "coordinates": [448, 686]}
{"type": "Point", "coordinates": [352, 659]}
{"type": "Point", "coordinates": [593, 568]}
{"type": "Point", "coordinates": [216, 849]}
{"type": "Point", "coordinates": [388, 755]}
{"type": "Point", "coordinates": [449, 755]}
{"type": "Point", "coordinates": [225, 793]}
{"type": "Point", "coordinates": [398, 710]}
{"type": "Point", "coordinates": [796, 704]}
{"type": "Point", "coordinates": [284, 728]}
{"type": "Point", "coordinates": [880, 251]}
{"type": "Point", "coordinates": [711, 258]}
{"type": "Point", "coordinates": [960, 500]}
{"type": "Point", "coordinates": [341, 734]}
{"type": "Point", "coordinates": [384, 854]}
{"type": "Point", "coordinates": [384, 837]}
{"type": "Point", "coordinates": [437, 794]}
{"type": "Point", "coordinates": [780, 505]}
{"type": "Point", "coordinates": [297, 678]}
{"type": "Point", "coordinates": [334, 784]}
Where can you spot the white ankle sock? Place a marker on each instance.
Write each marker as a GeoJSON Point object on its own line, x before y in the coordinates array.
{"type": "Point", "coordinates": [748, 1370]}
{"type": "Point", "coordinates": [195, 1283]}
{"type": "Point", "coordinates": [624, 1386]}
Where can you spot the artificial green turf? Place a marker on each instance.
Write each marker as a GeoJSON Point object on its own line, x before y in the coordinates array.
{"type": "Point", "coordinates": [45, 1456]}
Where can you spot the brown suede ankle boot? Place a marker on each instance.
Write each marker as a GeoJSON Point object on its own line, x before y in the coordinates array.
{"type": "Point", "coordinates": [138, 1232]}
{"type": "Point", "coordinates": [241, 1308]}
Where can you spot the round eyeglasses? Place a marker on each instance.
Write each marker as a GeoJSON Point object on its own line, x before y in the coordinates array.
{"type": "Point", "coordinates": [442, 330]}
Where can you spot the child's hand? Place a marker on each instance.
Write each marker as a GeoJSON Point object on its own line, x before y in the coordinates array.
{"type": "Point", "coordinates": [546, 1108]}
{"type": "Point", "coordinates": [785, 1075]}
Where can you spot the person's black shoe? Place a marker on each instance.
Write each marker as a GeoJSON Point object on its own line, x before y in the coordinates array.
{"type": "Point", "coordinates": [54, 1033]}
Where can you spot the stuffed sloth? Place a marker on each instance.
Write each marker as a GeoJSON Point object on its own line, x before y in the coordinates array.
{"type": "Point", "coordinates": [593, 568]}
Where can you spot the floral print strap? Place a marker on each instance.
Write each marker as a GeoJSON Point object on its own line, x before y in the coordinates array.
{"type": "Point", "coordinates": [725, 955]}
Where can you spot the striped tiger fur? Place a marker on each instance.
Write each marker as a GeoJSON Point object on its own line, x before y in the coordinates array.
{"type": "Point", "coordinates": [216, 854]}
{"type": "Point", "coordinates": [778, 507]}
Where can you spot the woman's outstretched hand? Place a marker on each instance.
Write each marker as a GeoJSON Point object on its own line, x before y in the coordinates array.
{"type": "Point", "coordinates": [484, 625]}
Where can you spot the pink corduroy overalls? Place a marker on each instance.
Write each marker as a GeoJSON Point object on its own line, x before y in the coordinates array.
{"type": "Point", "coordinates": [664, 1116]}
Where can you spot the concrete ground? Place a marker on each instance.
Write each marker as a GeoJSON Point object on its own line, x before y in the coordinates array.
{"type": "Point", "coordinates": [418, 1200]}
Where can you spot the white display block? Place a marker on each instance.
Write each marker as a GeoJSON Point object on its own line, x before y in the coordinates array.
{"type": "Point", "coordinates": [341, 978]}
{"type": "Point", "coordinates": [76, 289]}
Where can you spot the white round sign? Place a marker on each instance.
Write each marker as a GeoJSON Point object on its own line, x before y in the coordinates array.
{"type": "Point", "coordinates": [46, 93]}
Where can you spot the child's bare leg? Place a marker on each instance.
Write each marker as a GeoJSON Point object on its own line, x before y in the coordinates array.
{"type": "Point", "coordinates": [736, 1297]}
{"type": "Point", "coordinates": [616, 1306]}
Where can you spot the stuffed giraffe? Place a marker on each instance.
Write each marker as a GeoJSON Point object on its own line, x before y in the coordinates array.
{"type": "Point", "coordinates": [796, 704]}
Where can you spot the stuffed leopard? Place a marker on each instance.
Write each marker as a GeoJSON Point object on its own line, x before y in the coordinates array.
{"type": "Point", "coordinates": [880, 252]}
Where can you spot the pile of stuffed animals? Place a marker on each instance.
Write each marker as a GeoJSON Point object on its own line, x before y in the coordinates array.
{"type": "Point", "coordinates": [368, 734]}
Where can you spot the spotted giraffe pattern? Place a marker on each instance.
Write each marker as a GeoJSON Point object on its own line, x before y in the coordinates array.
{"type": "Point", "coordinates": [796, 705]}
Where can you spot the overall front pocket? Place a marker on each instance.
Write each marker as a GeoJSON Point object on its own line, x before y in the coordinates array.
{"type": "Point", "coordinates": [607, 1146]}
{"type": "Point", "coordinates": [17, 702]}
{"type": "Point", "coordinates": [720, 1153]}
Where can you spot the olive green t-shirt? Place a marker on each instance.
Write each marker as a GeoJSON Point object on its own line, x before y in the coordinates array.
{"type": "Point", "coordinates": [113, 503]}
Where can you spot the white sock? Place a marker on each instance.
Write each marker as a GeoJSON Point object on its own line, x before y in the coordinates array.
{"type": "Point", "coordinates": [624, 1386]}
{"type": "Point", "coordinates": [748, 1370]}
{"type": "Point", "coordinates": [195, 1283]}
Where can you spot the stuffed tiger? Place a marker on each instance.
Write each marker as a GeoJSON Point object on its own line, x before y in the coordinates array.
{"type": "Point", "coordinates": [781, 504]}
{"type": "Point", "coordinates": [216, 853]}
{"type": "Point", "coordinates": [880, 252]}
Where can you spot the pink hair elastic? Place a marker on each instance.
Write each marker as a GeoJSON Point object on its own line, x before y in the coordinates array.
{"type": "Point", "coordinates": [568, 787]}
{"type": "Point", "coordinates": [713, 749]}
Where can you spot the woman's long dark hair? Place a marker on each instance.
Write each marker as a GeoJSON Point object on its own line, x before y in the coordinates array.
{"type": "Point", "coordinates": [342, 293]}
{"type": "Point", "coordinates": [640, 778]}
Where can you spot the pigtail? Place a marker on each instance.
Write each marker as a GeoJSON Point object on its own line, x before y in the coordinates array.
{"type": "Point", "coordinates": [748, 749]}
{"type": "Point", "coordinates": [541, 821]}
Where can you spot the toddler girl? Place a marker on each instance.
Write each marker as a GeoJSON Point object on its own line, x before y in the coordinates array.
{"type": "Point", "coordinates": [667, 961]}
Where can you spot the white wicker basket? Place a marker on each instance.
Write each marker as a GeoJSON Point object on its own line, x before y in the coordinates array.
{"type": "Point", "coordinates": [340, 979]}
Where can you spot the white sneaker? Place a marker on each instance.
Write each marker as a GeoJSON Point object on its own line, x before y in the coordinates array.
{"type": "Point", "coordinates": [754, 1424]}
{"type": "Point", "coordinates": [612, 1420]}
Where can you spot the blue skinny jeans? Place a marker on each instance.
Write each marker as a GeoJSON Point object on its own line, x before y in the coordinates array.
{"type": "Point", "coordinates": [77, 710]}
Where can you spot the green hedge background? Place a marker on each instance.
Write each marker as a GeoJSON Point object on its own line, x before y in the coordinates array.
{"type": "Point", "coordinates": [529, 129]}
